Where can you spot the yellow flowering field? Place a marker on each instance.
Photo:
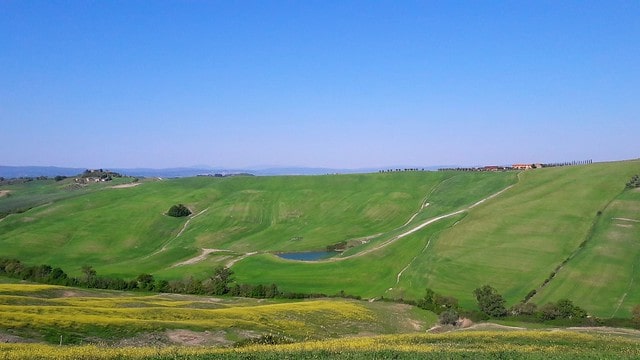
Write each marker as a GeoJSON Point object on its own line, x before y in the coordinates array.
{"type": "Point", "coordinates": [75, 313]}
{"type": "Point", "coordinates": [463, 344]}
{"type": "Point", "coordinates": [46, 313]}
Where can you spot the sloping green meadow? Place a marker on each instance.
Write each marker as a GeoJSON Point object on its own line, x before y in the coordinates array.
{"type": "Point", "coordinates": [604, 275]}
{"type": "Point", "coordinates": [124, 231]}
{"type": "Point", "coordinates": [542, 221]}
{"type": "Point", "coordinates": [517, 240]}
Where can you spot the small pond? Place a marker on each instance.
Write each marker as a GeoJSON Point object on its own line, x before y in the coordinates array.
{"type": "Point", "coordinates": [308, 255]}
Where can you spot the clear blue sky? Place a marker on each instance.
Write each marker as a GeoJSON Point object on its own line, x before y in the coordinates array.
{"type": "Point", "coordinates": [317, 83]}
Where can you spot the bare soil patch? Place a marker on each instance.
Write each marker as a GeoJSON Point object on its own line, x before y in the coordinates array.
{"type": "Point", "coordinates": [70, 293]}
{"type": "Point", "coordinates": [465, 323]}
{"type": "Point", "coordinates": [148, 339]}
{"type": "Point", "coordinates": [4, 193]}
{"type": "Point", "coordinates": [607, 330]}
{"type": "Point", "coordinates": [626, 219]}
{"type": "Point", "coordinates": [124, 186]}
{"type": "Point", "coordinates": [193, 338]}
{"type": "Point", "coordinates": [13, 339]}
{"type": "Point", "coordinates": [492, 326]}
{"type": "Point", "coordinates": [201, 257]}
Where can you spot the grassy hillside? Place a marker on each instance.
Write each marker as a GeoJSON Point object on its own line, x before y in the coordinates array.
{"type": "Point", "coordinates": [513, 242]}
{"type": "Point", "coordinates": [23, 196]}
{"type": "Point", "coordinates": [124, 231]}
{"type": "Point", "coordinates": [516, 240]}
{"type": "Point", "coordinates": [539, 221]}
{"type": "Point", "coordinates": [603, 275]}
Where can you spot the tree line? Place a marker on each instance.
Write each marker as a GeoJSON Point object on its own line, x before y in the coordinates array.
{"type": "Point", "coordinates": [221, 282]}
{"type": "Point", "coordinates": [491, 304]}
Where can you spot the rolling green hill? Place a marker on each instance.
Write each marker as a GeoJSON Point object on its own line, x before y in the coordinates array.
{"type": "Point", "coordinates": [450, 231]}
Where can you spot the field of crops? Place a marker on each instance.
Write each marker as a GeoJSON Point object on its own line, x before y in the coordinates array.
{"type": "Point", "coordinates": [456, 345]}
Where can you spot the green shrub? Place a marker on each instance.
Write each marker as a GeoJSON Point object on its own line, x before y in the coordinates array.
{"type": "Point", "coordinates": [448, 317]}
{"type": "Point", "coordinates": [178, 211]}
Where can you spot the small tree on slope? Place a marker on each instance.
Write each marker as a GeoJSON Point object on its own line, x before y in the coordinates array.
{"type": "Point", "coordinates": [489, 301]}
{"type": "Point", "coordinates": [178, 211]}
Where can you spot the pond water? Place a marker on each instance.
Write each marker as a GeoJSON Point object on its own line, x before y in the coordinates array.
{"type": "Point", "coordinates": [308, 255]}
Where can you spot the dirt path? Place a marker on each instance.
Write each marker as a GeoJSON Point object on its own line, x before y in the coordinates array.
{"type": "Point", "coordinates": [432, 221]}
{"type": "Point", "coordinates": [201, 257]}
{"type": "Point", "coordinates": [184, 227]}
{"type": "Point", "coordinates": [187, 223]}
{"type": "Point", "coordinates": [206, 252]}
{"type": "Point", "coordinates": [629, 287]}
{"type": "Point", "coordinates": [416, 214]}
{"type": "Point", "coordinates": [492, 326]}
{"type": "Point", "coordinates": [606, 330]}
{"type": "Point", "coordinates": [411, 262]}
{"type": "Point", "coordinates": [124, 186]}
{"type": "Point", "coordinates": [233, 261]}
{"type": "Point", "coordinates": [418, 228]}
{"type": "Point", "coordinates": [424, 202]}
{"type": "Point", "coordinates": [625, 219]}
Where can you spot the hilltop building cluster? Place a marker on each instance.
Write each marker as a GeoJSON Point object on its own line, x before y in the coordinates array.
{"type": "Point", "coordinates": [95, 175]}
{"type": "Point", "coordinates": [517, 166]}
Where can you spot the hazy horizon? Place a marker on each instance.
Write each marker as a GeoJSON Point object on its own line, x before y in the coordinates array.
{"type": "Point", "coordinates": [344, 85]}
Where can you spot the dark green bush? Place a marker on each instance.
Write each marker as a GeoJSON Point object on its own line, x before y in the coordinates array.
{"type": "Point", "coordinates": [179, 211]}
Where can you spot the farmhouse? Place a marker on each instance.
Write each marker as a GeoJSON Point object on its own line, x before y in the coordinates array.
{"type": "Point", "coordinates": [522, 166]}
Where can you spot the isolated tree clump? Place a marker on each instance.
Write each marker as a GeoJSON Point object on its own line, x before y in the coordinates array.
{"type": "Point", "coordinates": [179, 211]}
{"type": "Point", "coordinates": [449, 317]}
{"type": "Point", "coordinates": [490, 301]}
{"type": "Point", "coordinates": [437, 303]}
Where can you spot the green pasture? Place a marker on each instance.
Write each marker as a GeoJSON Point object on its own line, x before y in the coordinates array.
{"type": "Point", "coordinates": [545, 218]}
{"type": "Point", "coordinates": [604, 275]}
{"type": "Point", "coordinates": [371, 275]}
{"type": "Point", "coordinates": [515, 241]}
{"type": "Point", "coordinates": [124, 231]}
{"type": "Point", "coordinates": [23, 196]}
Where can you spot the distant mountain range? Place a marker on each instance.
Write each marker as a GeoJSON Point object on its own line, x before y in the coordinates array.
{"type": "Point", "coordinates": [50, 171]}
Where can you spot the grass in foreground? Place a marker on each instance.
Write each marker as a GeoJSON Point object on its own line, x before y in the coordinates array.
{"type": "Point", "coordinates": [46, 312]}
{"type": "Point", "coordinates": [456, 345]}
